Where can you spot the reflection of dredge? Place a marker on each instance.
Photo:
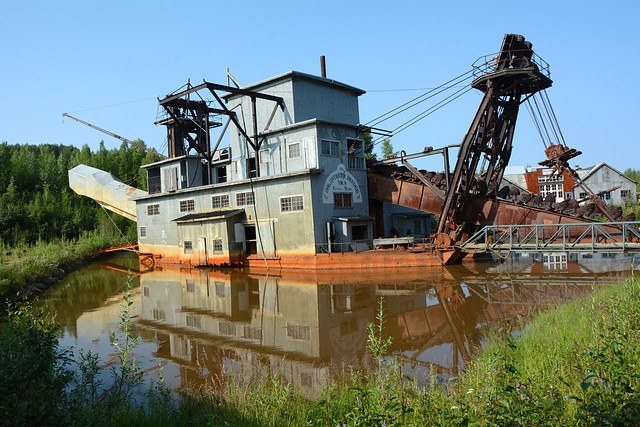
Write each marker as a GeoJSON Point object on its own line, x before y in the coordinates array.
{"type": "Point", "coordinates": [305, 327]}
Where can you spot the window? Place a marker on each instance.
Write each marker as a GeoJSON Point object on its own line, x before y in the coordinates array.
{"type": "Point", "coordinates": [625, 193]}
{"type": "Point", "coordinates": [221, 201]}
{"type": "Point", "coordinates": [188, 247]}
{"type": "Point", "coordinates": [219, 289]}
{"type": "Point", "coordinates": [217, 245]}
{"type": "Point", "coordinates": [264, 156]}
{"type": "Point", "coordinates": [290, 204]}
{"type": "Point", "coordinates": [330, 148]}
{"type": "Point", "coordinates": [159, 314]}
{"type": "Point", "coordinates": [153, 209]}
{"type": "Point", "coordinates": [143, 231]}
{"type": "Point", "coordinates": [245, 199]}
{"type": "Point", "coordinates": [251, 167]}
{"type": "Point", "coordinates": [227, 328]}
{"type": "Point", "coordinates": [568, 196]}
{"type": "Point", "coordinates": [194, 321]}
{"type": "Point", "coordinates": [342, 200]}
{"type": "Point", "coordinates": [187, 205]}
{"type": "Point", "coordinates": [222, 174]}
{"type": "Point", "coordinates": [294, 150]}
{"type": "Point", "coordinates": [551, 178]}
{"type": "Point", "coordinates": [252, 333]}
{"type": "Point", "coordinates": [359, 232]}
{"type": "Point", "coordinates": [355, 152]}
{"type": "Point", "coordinates": [349, 326]}
{"type": "Point", "coordinates": [417, 226]}
{"type": "Point", "coordinates": [606, 196]}
{"type": "Point", "coordinates": [153, 180]}
{"type": "Point", "coordinates": [583, 195]}
{"type": "Point", "coordinates": [298, 332]}
{"type": "Point", "coordinates": [191, 286]}
{"type": "Point", "coordinates": [145, 291]}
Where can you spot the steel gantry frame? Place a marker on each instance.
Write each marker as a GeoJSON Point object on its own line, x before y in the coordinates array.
{"type": "Point", "coordinates": [189, 120]}
{"type": "Point", "coordinates": [512, 76]}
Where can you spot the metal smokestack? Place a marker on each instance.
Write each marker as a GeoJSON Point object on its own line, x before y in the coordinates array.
{"type": "Point", "coordinates": [323, 67]}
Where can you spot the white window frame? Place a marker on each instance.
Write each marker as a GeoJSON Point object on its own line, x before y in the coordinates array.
{"type": "Point", "coordinates": [143, 231]}
{"type": "Point", "coordinates": [188, 250]}
{"type": "Point", "coordinates": [153, 209]}
{"type": "Point", "coordinates": [253, 202]}
{"type": "Point", "coordinates": [265, 157]}
{"type": "Point", "coordinates": [221, 204]}
{"type": "Point", "coordinates": [291, 203]}
{"type": "Point", "coordinates": [217, 245]}
{"type": "Point", "coordinates": [186, 208]}
{"type": "Point", "coordinates": [294, 144]}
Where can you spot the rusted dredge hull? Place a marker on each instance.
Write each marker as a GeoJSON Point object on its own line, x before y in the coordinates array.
{"type": "Point", "coordinates": [480, 211]}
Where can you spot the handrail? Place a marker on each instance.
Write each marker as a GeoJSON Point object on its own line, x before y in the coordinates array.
{"type": "Point", "coordinates": [574, 237]}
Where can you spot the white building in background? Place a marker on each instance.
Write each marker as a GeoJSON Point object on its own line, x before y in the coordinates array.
{"type": "Point", "coordinates": [602, 178]}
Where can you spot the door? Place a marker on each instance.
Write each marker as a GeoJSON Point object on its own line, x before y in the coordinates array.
{"type": "Point", "coordinates": [250, 239]}
{"type": "Point", "coordinates": [203, 259]}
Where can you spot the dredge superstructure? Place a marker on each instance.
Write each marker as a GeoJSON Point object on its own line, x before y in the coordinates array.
{"type": "Point", "coordinates": [293, 187]}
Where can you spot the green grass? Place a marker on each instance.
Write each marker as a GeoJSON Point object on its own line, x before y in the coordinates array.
{"type": "Point", "coordinates": [22, 266]}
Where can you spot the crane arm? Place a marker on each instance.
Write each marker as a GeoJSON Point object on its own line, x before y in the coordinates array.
{"type": "Point", "coordinates": [115, 135]}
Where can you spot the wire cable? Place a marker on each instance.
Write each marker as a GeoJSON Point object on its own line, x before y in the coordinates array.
{"type": "Point", "coordinates": [423, 114]}
{"type": "Point", "coordinates": [427, 94]}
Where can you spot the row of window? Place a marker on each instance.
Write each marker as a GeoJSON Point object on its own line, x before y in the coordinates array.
{"type": "Point", "coordinates": [287, 204]}
{"type": "Point", "coordinates": [293, 152]}
{"type": "Point", "coordinates": [188, 244]}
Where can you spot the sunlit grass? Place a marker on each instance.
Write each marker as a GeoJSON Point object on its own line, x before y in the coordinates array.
{"type": "Point", "coordinates": [24, 265]}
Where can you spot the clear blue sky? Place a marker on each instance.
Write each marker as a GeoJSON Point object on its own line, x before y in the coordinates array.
{"type": "Point", "coordinates": [107, 62]}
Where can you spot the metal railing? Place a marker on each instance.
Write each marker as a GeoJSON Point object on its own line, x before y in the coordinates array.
{"type": "Point", "coordinates": [488, 64]}
{"type": "Point", "coordinates": [577, 237]}
{"type": "Point", "coordinates": [367, 245]}
{"type": "Point", "coordinates": [354, 162]}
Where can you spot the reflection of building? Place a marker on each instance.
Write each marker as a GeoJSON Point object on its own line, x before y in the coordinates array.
{"type": "Point", "coordinates": [288, 325]}
{"type": "Point", "coordinates": [304, 327]}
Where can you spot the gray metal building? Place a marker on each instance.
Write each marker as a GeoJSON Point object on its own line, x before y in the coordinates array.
{"type": "Point", "coordinates": [303, 192]}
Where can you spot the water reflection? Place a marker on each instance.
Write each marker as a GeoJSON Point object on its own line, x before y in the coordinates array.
{"type": "Point", "coordinates": [306, 325]}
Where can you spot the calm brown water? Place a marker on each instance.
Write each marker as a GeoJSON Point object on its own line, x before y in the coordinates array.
{"type": "Point", "coordinates": [306, 325]}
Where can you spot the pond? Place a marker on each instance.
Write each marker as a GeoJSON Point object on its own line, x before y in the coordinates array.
{"type": "Point", "coordinates": [308, 325]}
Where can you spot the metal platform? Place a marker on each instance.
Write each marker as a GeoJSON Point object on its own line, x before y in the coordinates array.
{"type": "Point", "coordinates": [578, 237]}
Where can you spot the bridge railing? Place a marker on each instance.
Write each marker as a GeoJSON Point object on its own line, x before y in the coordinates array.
{"type": "Point", "coordinates": [578, 237]}
{"type": "Point", "coordinates": [372, 244]}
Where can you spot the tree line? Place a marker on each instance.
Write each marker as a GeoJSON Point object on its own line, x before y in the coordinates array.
{"type": "Point", "coordinates": [36, 202]}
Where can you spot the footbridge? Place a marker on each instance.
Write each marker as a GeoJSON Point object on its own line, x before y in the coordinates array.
{"type": "Point", "coordinates": [539, 238]}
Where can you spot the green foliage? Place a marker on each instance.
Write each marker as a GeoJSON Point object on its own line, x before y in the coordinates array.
{"type": "Point", "coordinates": [634, 174]}
{"type": "Point", "coordinates": [368, 147]}
{"type": "Point", "coordinates": [33, 370]}
{"type": "Point", "coordinates": [126, 374]}
{"type": "Point", "coordinates": [36, 202]}
{"type": "Point", "coordinates": [387, 149]}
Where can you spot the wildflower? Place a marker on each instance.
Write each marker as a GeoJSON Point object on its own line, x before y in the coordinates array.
{"type": "Point", "coordinates": [358, 398]}
{"type": "Point", "coordinates": [455, 407]}
{"type": "Point", "coordinates": [475, 409]}
{"type": "Point", "coordinates": [470, 391]}
{"type": "Point", "coordinates": [384, 423]}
